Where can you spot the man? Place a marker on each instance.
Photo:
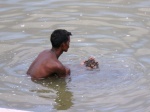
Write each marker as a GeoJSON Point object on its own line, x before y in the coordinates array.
{"type": "Point", "coordinates": [47, 63]}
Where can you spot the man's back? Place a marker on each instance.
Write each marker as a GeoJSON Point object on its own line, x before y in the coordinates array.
{"type": "Point", "coordinates": [43, 65]}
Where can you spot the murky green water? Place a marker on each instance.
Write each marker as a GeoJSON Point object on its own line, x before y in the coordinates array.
{"type": "Point", "coordinates": [116, 32]}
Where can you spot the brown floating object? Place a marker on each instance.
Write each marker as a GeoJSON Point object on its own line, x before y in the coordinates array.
{"type": "Point", "coordinates": [91, 63]}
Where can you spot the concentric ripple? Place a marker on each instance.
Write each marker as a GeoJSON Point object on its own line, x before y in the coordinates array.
{"type": "Point", "coordinates": [114, 73]}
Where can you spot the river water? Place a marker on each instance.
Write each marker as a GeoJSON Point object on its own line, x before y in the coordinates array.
{"type": "Point", "coordinates": [115, 32]}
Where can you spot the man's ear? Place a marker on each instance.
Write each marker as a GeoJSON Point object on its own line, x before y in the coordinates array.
{"type": "Point", "coordinates": [63, 45]}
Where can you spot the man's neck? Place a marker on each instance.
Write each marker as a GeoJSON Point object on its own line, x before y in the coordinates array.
{"type": "Point", "coordinates": [57, 52]}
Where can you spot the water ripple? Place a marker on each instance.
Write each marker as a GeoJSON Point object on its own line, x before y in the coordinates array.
{"type": "Point", "coordinates": [116, 32]}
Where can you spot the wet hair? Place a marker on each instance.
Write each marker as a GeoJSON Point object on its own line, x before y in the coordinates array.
{"type": "Point", "coordinates": [58, 37]}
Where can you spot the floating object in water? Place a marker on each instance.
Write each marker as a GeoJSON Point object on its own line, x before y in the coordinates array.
{"type": "Point", "coordinates": [91, 63]}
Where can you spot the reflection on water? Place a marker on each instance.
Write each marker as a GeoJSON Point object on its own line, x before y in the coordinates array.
{"type": "Point", "coordinates": [116, 32]}
{"type": "Point", "coordinates": [63, 98]}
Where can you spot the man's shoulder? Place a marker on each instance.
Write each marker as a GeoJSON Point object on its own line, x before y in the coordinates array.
{"type": "Point", "coordinates": [46, 53]}
{"type": "Point", "coordinates": [55, 64]}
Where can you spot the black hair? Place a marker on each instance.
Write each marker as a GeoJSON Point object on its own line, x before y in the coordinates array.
{"type": "Point", "coordinates": [58, 37]}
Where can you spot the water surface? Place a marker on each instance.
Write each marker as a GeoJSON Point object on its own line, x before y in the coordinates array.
{"type": "Point", "coordinates": [115, 32]}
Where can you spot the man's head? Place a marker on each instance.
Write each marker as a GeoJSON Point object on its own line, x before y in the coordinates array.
{"type": "Point", "coordinates": [60, 38]}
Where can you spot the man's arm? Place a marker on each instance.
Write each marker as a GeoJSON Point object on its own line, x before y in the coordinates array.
{"type": "Point", "coordinates": [67, 71]}
{"type": "Point", "coordinates": [61, 70]}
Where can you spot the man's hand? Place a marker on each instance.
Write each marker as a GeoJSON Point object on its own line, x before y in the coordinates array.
{"type": "Point", "coordinates": [67, 71]}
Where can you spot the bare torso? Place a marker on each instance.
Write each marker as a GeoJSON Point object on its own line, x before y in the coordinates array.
{"type": "Point", "coordinates": [45, 65]}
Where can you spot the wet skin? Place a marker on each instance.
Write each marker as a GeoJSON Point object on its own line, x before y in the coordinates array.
{"type": "Point", "coordinates": [47, 63]}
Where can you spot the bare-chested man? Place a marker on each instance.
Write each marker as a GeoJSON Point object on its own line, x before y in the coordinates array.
{"type": "Point", "coordinates": [47, 63]}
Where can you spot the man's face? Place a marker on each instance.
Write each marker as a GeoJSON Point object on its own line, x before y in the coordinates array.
{"type": "Point", "coordinates": [66, 45]}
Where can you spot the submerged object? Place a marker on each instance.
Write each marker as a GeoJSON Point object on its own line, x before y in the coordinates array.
{"type": "Point", "coordinates": [91, 63]}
